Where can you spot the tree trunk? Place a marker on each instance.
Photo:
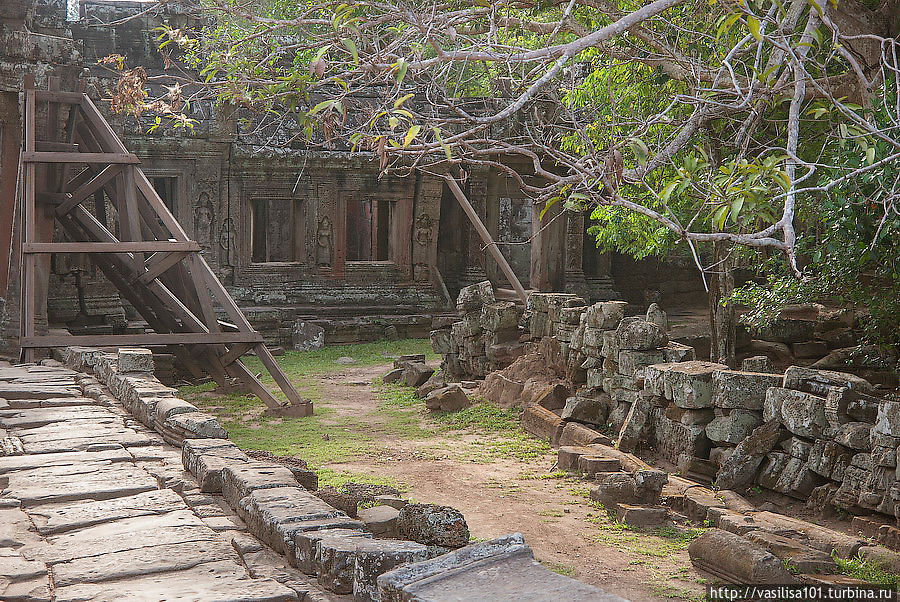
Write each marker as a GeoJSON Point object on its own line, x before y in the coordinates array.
{"type": "Point", "coordinates": [722, 323]}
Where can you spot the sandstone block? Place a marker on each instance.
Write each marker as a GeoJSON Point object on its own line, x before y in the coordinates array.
{"type": "Point", "coordinates": [380, 520]}
{"type": "Point", "coordinates": [574, 433]}
{"type": "Point", "coordinates": [415, 374]}
{"type": "Point", "coordinates": [801, 413]}
{"type": "Point", "coordinates": [376, 557]}
{"type": "Point", "coordinates": [640, 335]}
{"type": "Point", "coordinates": [757, 363]}
{"type": "Point", "coordinates": [734, 559]}
{"type": "Point", "coordinates": [306, 336]}
{"type": "Point", "coordinates": [636, 424]}
{"type": "Point", "coordinates": [605, 315]}
{"type": "Point", "coordinates": [135, 359]}
{"type": "Point", "coordinates": [746, 390]}
{"type": "Point", "coordinates": [447, 399]}
{"type": "Point", "coordinates": [433, 525]}
{"type": "Point", "coordinates": [855, 435]}
{"type": "Point", "coordinates": [593, 465]}
{"type": "Point", "coordinates": [632, 363]}
{"type": "Point", "coordinates": [305, 545]}
{"type": "Point", "coordinates": [734, 427]}
{"type": "Point", "coordinates": [641, 516]}
{"type": "Point", "coordinates": [541, 422]}
{"type": "Point", "coordinates": [473, 297]}
{"type": "Point", "coordinates": [589, 410]}
{"type": "Point", "coordinates": [689, 384]}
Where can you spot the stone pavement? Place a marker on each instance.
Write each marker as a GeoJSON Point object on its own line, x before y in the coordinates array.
{"type": "Point", "coordinates": [95, 506]}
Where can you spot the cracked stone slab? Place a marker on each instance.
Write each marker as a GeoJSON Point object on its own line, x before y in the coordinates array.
{"type": "Point", "coordinates": [15, 567]}
{"type": "Point", "coordinates": [29, 418]}
{"type": "Point", "coordinates": [53, 402]}
{"type": "Point", "coordinates": [66, 517]}
{"type": "Point", "coordinates": [94, 481]}
{"type": "Point", "coordinates": [15, 529]}
{"type": "Point", "coordinates": [221, 581]}
{"type": "Point", "coordinates": [150, 560]}
{"type": "Point", "coordinates": [11, 464]}
{"type": "Point", "coordinates": [121, 538]}
{"type": "Point", "coordinates": [29, 390]}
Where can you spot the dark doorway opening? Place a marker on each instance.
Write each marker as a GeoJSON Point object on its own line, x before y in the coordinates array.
{"type": "Point", "coordinates": [368, 230]}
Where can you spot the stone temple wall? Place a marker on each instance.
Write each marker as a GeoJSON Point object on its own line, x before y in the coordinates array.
{"type": "Point", "coordinates": [828, 437]}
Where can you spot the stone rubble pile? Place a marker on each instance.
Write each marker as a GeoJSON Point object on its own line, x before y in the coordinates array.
{"type": "Point", "coordinates": [484, 338]}
{"type": "Point", "coordinates": [809, 434]}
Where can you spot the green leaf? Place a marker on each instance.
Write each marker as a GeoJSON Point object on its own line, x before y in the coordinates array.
{"type": "Point", "coordinates": [640, 150]}
{"type": "Point", "coordinates": [411, 133]}
{"type": "Point", "coordinates": [321, 106]}
{"type": "Point", "coordinates": [351, 46]}
{"type": "Point", "coordinates": [402, 66]}
{"type": "Point", "coordinates": [736, 207]}
{"type": "Point", "coordinates": [719, 217]}
{"type": "Point", "coordinates": [447, 151]}
{"type": "Point", "coordinates": [402, 99]}
{"type": "Point", "coordinates": [753, 24]}
{"type": "Point", "coordinates": [870, 155]}
{"type": "Point", "coordinates": [667, 191]}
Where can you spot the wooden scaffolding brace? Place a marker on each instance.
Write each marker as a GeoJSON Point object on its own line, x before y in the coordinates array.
{"type": "Point", "coordinates": [152, 262]}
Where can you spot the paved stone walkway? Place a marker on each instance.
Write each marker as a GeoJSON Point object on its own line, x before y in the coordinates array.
{"type": "Point", "coordinates": [94, 506]}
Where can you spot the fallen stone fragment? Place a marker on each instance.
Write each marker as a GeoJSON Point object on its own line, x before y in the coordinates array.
{"type": "Point", "coordinates": [739, 469]}
{"type": "Point", "coordinates": [794, 554]}
{"type": "Point", "coordinates": [541, 423]}
{"type": "Point", "coordinates": [641, 516]}
{"type": "Point", "coordinates": [447, 399]}
{"type": "Point", "coordinates": [593, 465]}
{"type": "Point", "coordinates": [380, 520]}
{"type": "Point", "coordinates": [578, 434]}
{"type": "Point", "coordinates": [433, 525]}
{"type": "Point", "coordinates": [415, 374]}
{"type": "Point", "coordinates": [640, 335]}
{"type": "Point", "coordinates": [343, 502]}
{"type": "Point", "coordinates": [735, 559]}
{"type": "Point", "coordinates": [471, 573]}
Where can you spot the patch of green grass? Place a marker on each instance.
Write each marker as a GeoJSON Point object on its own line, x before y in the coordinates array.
{"type": "Point", "coordinates": [530, 476]}
{"type": "Point", "coordinates": [867, 570]}
{"type": "Point", "coordinates": [336, 478]}
{"type": "Point", "coordinates": [313, 439]}
{"type": "Point", "coordinates": [559, 567]}
{"type": "Point", "coordinates": [551, 512]}
{"type": "Point", "coordinates": [482, 417]}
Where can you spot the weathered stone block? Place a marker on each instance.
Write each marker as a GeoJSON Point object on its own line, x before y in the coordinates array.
{"type": "Point", "coordinates": [380, 520]}
{"type": "Point", "coordinates": [473, 297]}
{"type": "Point", "coordinates": [135, 359]}
{"type": "Point", "coordinates": [605, 315]}
{"type": "Point", "coordinates": [641, 516]}
{"type": "Point", "coordinates": [640, 335]}
{"type": "Point", "coordinates": [734, 427]}
{"type": "Point", "coordinates": [734, 559]}
{"type": "Point", "coordinates": [636, 424]}
{"type": "Point", "coordinates": [740, 468]}
{"type": "Point", "coordinates": [632, 362]}
{"type": "Point", "coordinates": [589, 410]}
{"type": "Point", "coordinates": [305, 545]}
{"type": "Point", "coordinates": [376, 557]}
{"type": "Point", "coordinates": [747, 390]}
{"type": "Point", "coordinates": [306, 336]}
{"type": "Point", "coordinates": [415, 374]}
{"type": "Point", "coordinates": [689, 384]}
{"type": "Point", "coordinates": [447, 399]}
{"type": "Point", "coordinates": [757, 363]}
{"type": "Point", "coordinates": [801, 413]}
{"type": "Point", "coordinates": [541, 423]}
{"type": "Point", "coordinates": [433, 525]}
{"type": "Point", "coordinates": [855, 435]}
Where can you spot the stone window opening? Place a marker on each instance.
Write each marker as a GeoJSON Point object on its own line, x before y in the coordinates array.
{"type": "Point", "coordinates": [369, 224]}
{"type": "Point", "coordinates": [167, 189]}
{"type": "Point", "coordinates": [276, 231]}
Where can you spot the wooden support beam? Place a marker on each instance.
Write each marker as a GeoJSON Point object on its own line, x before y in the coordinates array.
{"type": "Point", "coordinates": [486, 237]}
{"type": "Point", "coordinates": [88, 188]}
{"type": "Point", "coordinates": [60, 157]}
{"type": "Point", "coordinates": [72, 98]}
{"type": "Point", "coordinates": [159, 263]}
{"type": "Point", "coordinates": [150, 246]}
{"type": "Point", "coordinates": [235, 353]}
{"type": "Point", "coordinates": [55, 147]}
{"type": "Point", "coordinates": [112, 340]}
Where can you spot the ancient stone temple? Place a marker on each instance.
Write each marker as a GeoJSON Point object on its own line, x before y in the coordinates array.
{"type": "Point", "coordinates": [295, 234]}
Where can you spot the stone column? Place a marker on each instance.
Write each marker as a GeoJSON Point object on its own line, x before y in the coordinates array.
{"type": "Point", "coordinates": [575, 280]}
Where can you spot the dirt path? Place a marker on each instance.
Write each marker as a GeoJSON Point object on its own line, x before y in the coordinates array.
{"type": "Point", "coordinates": [500, 495]}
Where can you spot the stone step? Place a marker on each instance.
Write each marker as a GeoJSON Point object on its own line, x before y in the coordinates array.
{"type": "Point", "coordinates": [34, 390]}
{"type": "Point", "coordinates": [11, 464]}
{"type": "Point", "coordinates": [31, 418]}
{"type": "Point", "coordinates": [500, 569]}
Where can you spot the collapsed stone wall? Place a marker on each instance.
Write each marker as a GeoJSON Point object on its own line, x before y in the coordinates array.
{"type": "Point", "coordinates": [826, 436]}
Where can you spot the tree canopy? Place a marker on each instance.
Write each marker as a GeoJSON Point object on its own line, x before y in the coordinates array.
{"type": "Point", "coordinates": [772, 126]}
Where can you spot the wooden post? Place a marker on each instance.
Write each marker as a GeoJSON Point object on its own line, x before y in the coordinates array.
{"type": "Point", "coordinates": [486, 237]}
